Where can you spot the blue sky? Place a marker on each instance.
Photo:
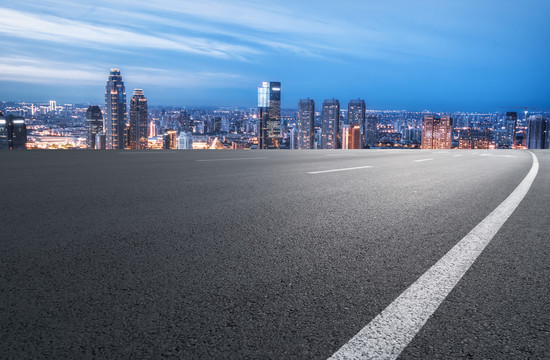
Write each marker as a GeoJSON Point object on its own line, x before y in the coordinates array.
{"type": "Point", "coordinates": [396, 54]}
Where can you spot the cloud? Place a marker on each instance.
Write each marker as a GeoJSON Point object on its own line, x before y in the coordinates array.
{"type": "Point", "coordinates": [55, 29]}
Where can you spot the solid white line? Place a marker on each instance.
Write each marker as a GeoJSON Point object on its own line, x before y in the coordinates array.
{"type": "Point", "coordinates": [508, 156]}
{"type": "Point", "coordinates": [387, 335]}
{"type": "Point", "coordinates": [335, 170]}
{"type": "Point", "coordinates": [231, 159]}
{"type": "Point", "coordinates": [457, 155]}
{"type": "Point", "coordinates": [423, 160]}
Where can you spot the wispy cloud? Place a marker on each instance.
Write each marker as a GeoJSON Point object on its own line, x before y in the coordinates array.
{"type": "Point", "coordinates": [55, 29]}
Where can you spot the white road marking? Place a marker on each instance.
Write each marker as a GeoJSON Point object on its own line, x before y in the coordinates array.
{"type": "Point", "coordinates": [457, 155]}
{"type": "Point", "coordinates": [423, 160]}
{"type": "Point", "coordinates": [232, 159]}
{"type": "Point", "coordinates": [335, 170]}
{"type": "Point", "coordinates": [339, 154]}
{"type": "Point", "coordinates": [387, 335]}
{"type": "Point", "coordinates": [508, 156]}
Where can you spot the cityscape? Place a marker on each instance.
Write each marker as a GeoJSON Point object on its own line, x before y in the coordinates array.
{"type": "Point", "coordinates": [118, 125]}
{"type": "Point", "coordinates": [289, 180]}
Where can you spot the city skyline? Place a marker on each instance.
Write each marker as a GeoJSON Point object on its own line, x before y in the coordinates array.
{"type": "Point", "coordinates": [486, 56]}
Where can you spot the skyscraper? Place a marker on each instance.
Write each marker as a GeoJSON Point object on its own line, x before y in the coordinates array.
{"type": "Point", "coordinates": [185, 140]}
{"type": "Point", "coordinates": [511, 123]}
{"type": "Point", "coordinates": [538, 128]}
{"type": "Point", "coordinates": [356, 116]}
{"type": "Point", "coordinates": [114, 122]}
{"type": "Point", "coordinates": [139, 120]}
{"type": "Point", "coordinates": [330, 124]}
{"type": "Point", "coordinates": [94, 124]}
{"type": "Point", "coordinates": [371, 131]}
{"type": "Point", "coordinates": [16, 131]}
{"type": "Point", "coordinates": [4, 137]}
{"type": "Point", "coordinates": [306, 119]}
{"type": "Point", "coordinates": [170, 139]}
{"type": "Point", "coordinates": [436, 132]}
{"type": "Point", "coordinates": [269, 115]}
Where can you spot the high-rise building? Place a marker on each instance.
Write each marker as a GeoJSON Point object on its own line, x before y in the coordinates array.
{"type": "Point", "coordinates": [100, 141]}
{"type": "Point", "coordinates": [16, 132]}
{"type": "Point", "coordinates": [306, 122]}
{"type": "Point", "coordinates": [139, 120]}
{"type": "Point", "coordinates": [269, 115]}
{"type": "Point", "coordinates": [437, 132]}
{"type": "Point", "coordinates": [511, 123]}
{"type": "Point", "coordinates": [356, 116]}
{"type": "Point", "coordinates": [170, 139]}
{"type": "Point", "coordinates": [538, 128]}
{"type": "Point", "coordinates": [53, 105]}
{"type": "Point", "coordinates": [114, 122]}
{"type": "Point", "coordinates": [371, 131]}
{"type": "Point", "coordinates": [4, 135]}
{"type": "Point", "coordinates": [94, 124]}
{"type": "Point", "coordinates": [330, 124]}
{"type": "Point", "coordinates": [473, 139]}
{"type": "Point", "coordinates": [351, 136]}
{"type": "Point", "coordinates": [185, 140]}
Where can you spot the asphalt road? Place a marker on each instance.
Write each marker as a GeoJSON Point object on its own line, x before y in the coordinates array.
{"type": "Point", "coordinates": [262, 254]}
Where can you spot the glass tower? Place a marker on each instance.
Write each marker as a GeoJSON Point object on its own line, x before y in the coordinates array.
{"type": "Point", "coordinates": [330, 125]}
{"type": "Point", "coordinates": [269, 115]}
{"type": "Point", "coordinates": [94, 124]}
{"type": "Point", "coordinates": [114, 122]}
{"type": "Point", "coordinates": [356, 116]}
{"type": "Point", "coordinates": [306, 119]}
{"type": "Point", "coordinates": [139, 121]}
{"type": "Point", "coordinates": [371, 131]}
{"type": "Point", "coordinates": [537, 132]}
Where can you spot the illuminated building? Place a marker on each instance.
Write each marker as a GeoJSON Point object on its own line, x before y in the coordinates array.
{"type": "Point", "coordinates": [511, 122]}
{"type": "Point", "coordinates": [473, 139]}
{"type": "Point", "coordinates": [4, 137]}
{"type": "Point", "coordinates": [436, 132]}
{"type": "Point", "coordinates": [53, 105]}
{"type": "Point", "coordinates": [100, 141]}
{"type": "Point", "coordinates": [94, 124]}
{"type": "Point", "coordinates": [356, 116]}
{"type": "Point", "coordinates": [371, 132]}
{"type": "Point", "coordinates": [170, 139]}
{"type": "Point", "coordinates": [115, 111]}
{"type": "Point", "coordinates": [330, 124]}
{"type": "Point", "coordinates": [269, 115]}
{"type": "Point", "coordinates": [185, 140]}
{"type": "Point", "coordinates": [139, 119]}
{"type": "Point", "coordinates": [306, 120]}
{"type": "Point", "coordinates": [13, 132]}
{"type": "Point", "coordinates": [293, 138]}
{"type": "Point", "coordinates": [537, 132]}
{"type": "Point", "coordinates": [153, 132]}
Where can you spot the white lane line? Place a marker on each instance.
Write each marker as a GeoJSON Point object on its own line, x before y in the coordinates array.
{"type": "Point", "coordinates": [387, 335]}
{"type": "Point", "coordinates": [335, 170]}
{"type": "Point", "coordinates": [423, 160]}
{"type": "Point", "coordinates": [457, 155]}
{"type": "Point", "coordinates": [339, 154]}
{"type": "Point", "coordinates": [508, 156]}
{"type": "Point", "coordinates": [232, 159]}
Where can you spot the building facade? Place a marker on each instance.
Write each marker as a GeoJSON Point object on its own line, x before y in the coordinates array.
{"type": "Point", "coordinates": [356, 116]}
{"type": "Point", "coordinates": [330, 125]}
{"type": "Point", "coordinates": [114, 123]}
{"type": "Point", "coordinates": [94, 124]}
{"type": "Point", "coordinates": [13, 132]}
{"type": "Point", "coordinates": [139, 121]}
{"type": "Point", "coordinates": [437, 132]}
{"type": "Point", "coordinates": [306, 122]}
{"type": "Point", "coordinates": [269, 115]}
{"type": "Point", "coordinates": [371, 131]}
{"type": "Point", "coordinates": [537, 132]}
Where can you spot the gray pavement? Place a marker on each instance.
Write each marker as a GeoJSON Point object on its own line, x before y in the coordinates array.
{"type": "Point", "coordinates": [246, 255]}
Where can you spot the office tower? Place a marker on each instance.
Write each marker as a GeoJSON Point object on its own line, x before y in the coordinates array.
{"type": "Point", "coordinates": [153, 130]}
{"type": "Point", "coordinates": [185, 140]}
{"type": "Point", "coordinates": [139, 120]}
{"type": "Point", "coordinates": [537, 132]}
{"type": "Point", "coordinates": [269, 115]}
{"type": "Point", "coordinates": [436, 132]}
{"type": "Point", "coordinates": [94, 124]}
{"type": "Point", "coordinates": [53, 105]}
{"type": "Point", "coordinates": [330, 124]}
{"type": "Point", "coordinates": [356, 116]}
{"type": "Point", "coordinates": [4, 139]}
{"type": "Point", "coordinates": [170, 139]}
{"type": "Point", "coordinates": [306, 121]}
{"type": "Point", "coordinates": [351, 136]}
{"type": "Point", "coordinates": [217, 124]}
{"type": "Point", "coordinates": [114, 122]}
{"type": "Point", "coordinates": [371, 131]}
{"type": "Point", "coordinates": [293, 138]}
{"type": "Point", "coordinates": [511, 123]}
{"type": "Point", "coordinates": [100, 142]}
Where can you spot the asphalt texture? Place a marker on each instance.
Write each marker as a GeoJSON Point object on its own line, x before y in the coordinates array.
{"type": "Point", "coordinates": [161, 254]}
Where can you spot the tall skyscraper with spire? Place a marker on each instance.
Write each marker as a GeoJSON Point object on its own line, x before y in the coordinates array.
{"type": "Point", "coordinates": [269, 115]}
{"type": "Point", "coordinates": [114, 122]}
{"type": "Point", "coordinates": [94, 124]}
{"type": "Point", "coordinates": [139, 120]}
{"type": "Point", "coordinates": [356, 116]}
{"type": "Point", "coordinates": [306, 119]}
{"type": "Point", "coordinates": [330, 136]}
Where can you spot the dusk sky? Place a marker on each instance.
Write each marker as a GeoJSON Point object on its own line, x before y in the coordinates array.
{"type": "Point", "coordinates": [396, 54]}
